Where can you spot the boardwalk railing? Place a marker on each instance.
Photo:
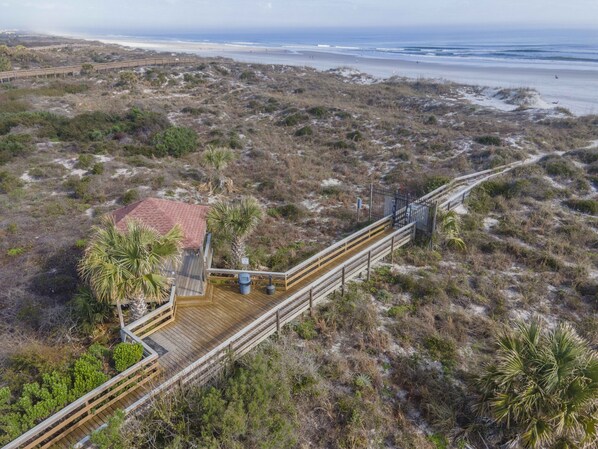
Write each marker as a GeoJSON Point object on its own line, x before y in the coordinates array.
{"type": "Point", "coordinates": [54, 428]}
{"type": "Point", "coordinates": [272, 321]}
{"type": "Point", "coordinates": [310, 266]}
{"type": "Point", "coordinates": [46, 433]}
{"type": "Point", "coordinates": [61, 423]}
{"type": "Point", "coordinates": [156, 319]}
{"type": "Point", "coordinates": [97, 67]}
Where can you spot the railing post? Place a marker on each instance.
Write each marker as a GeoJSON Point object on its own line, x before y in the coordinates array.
{"type": "Point", "coordinates": [278, 321]}
{"type": "Point", "coordinates": [392, 250]}
{"type": "Point", "coordinates": [369, 265]}
{"type": "Point", "coordinates": [311, 302]}
{"type": "Point", "coordinates": [343, 282]}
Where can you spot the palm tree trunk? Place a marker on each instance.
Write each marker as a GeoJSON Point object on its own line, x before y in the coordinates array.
{"type": "Point", "coordinates": [120, 314]}
{"type": "Point", "coordinates": [238, 250]}
{"type": "Point", "coordinates": [138, 307]}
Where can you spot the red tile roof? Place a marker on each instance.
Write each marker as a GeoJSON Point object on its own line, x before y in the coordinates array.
{"type": "Point", "coordinates": [163, 215]}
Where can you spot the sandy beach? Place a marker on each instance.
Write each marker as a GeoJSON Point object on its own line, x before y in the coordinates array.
{"type": "Point", "coordinates": [571, 87]}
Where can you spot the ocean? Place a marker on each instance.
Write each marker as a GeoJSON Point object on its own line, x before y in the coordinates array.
{"type": "Point", "coordinates": [539, 48]}
{"type": "Point", "coordinates": [562, 65]}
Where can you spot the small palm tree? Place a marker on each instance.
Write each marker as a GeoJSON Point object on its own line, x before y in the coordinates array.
{"type": "Point", "coordinates": [234, 222]}
{"type": "Point", "coordinates": [544, 388]}
{"type": "Point", "coordinates": [127, 264]}
{"type": "Point", "coordinates": [450, 230]}
{"type": "Point", "coordinates": [218, 159]}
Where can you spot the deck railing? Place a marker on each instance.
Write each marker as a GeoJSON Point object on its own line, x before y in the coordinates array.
{"type": "Point", "coordinates": [46, 433]}
{"type": "Point", "coordinates": [272, 321]}
{"type": "Point", "coordinates": [156, 319]}
{"type": "Point", "coordinates": [58, 425]}
{"type": "Point", "coordinates": [54, 428]}
{"type": "Point", "coordinates": [97, 67]}
{"type": "Point", "coordinates": [310, 266]}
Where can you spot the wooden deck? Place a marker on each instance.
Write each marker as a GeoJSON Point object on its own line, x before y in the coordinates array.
{"type": "Point", "coordinates": [197, 330]}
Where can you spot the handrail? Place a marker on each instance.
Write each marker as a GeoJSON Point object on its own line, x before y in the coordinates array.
{"type": "Point", "coordinates": [70, 410]}
{"type": "Point", "coordinates": [10, 74]}
{"type": "Point", "coordinates": [294, 274]}
{"type": "Point", "coordinates": [363, 258]}
{"type": "Point", "coordinates": [169, 304]}
{"type": "Point", "coordinates": [180, 376]}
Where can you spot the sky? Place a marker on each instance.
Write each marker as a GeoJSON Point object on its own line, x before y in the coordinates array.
{"type": "Point", "coordinates": [228, 15]}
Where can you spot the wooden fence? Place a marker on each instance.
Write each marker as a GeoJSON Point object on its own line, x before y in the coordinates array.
{"type": "Point", "coordinates": [97, 67]}
{"type": "Point", "coordinates": [310, 266]}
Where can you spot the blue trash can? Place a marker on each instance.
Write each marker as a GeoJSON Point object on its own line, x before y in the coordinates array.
{"type": "Point", "coordinates": [244, 283]}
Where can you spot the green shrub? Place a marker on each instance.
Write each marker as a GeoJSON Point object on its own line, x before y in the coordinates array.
{"type": "Point", "coordinates": [433, 182]}
{"type": "Point", "coordinates": [306, 329]}
{"type": "Point", "coordinates": [355, 136]}
{"type": "Point", "coordinates": [88, 311]}
{"type": "Point", "coordinates": [442, 349]}
{"type": "Point", "coordinates": [84, 161]}
{"type": "Point", "coordinates": [291, 212]}
{"type": "Point", "coordinates": [9, 182]}
{"type": "Point", "coordinates": [97, 168]}
{"type": "Point", "coordinates": [175, 141]}
{"type": "Point", "coordinates": [126, 355]}
{"type": "Point", "coordinates": [38, 400]}
{"type": "Point", "coordinates": [489, 140]}
{"type": "Point", "coordinates": [293, 119]}
{"type": "Point", "coordinates": [559, 167]}
{"type": "Point", "coordinates": [304, 131]}
{"type": "Point", "coordinates": [130, 196]}
{"type": "Point", "coordinates": [110, 436]}
{"type": "Point", "coordinates": [14, 145]}
{"type": "Point", "coordinates": [15, 251]}
{"type": "Point", "coordinates": [400, 310]}
{"type": "Point", "coordinates": [80, 188]}
{"type": "Point", "coordinates": [318, 111]}
{"type": "Point", "coordinates": [586, 206]}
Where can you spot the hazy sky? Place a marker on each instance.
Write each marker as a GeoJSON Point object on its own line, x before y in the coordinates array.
{"type": "Point", "coordinates": [227, 15]}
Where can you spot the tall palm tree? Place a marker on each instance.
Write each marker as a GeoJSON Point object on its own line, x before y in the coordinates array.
{"type": "Point", "coordinates": [127, 264]}
{"type": "Point", "coordinates": [218, 159]}
{"type": "Point", "coordinates": [543, 386]}
{"type": "Point", "coordinates": [234, 222]}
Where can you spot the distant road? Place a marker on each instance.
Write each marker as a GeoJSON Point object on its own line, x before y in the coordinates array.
{"type": "Point", "coordinates": [97, 67]}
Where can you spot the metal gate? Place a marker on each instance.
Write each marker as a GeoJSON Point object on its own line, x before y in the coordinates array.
{"type": "Point", "coordinates": [403, 208]}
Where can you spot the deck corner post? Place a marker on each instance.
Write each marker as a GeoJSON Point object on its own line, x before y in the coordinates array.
{"type": "Point", "coordinates": [278, 321]}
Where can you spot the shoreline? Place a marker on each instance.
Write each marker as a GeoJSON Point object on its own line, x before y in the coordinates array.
{"type": "Point", "coordinates": [573, 88]}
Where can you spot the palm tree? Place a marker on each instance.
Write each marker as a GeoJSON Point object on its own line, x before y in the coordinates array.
{"type": "Point", "coordinates": [543, 386]}
{"type": "Point", "coordinates": [126, 264]}
{"type": "Point", "coordinates": [450, 230]}
{"type": "Point", "coordinates": [234, 222]}
{"type": "Point", "coordinates": [218, 159]}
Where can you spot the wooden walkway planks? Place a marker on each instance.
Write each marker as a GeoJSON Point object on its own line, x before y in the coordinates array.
{"type": "Point", "coordinates": [197, 330]}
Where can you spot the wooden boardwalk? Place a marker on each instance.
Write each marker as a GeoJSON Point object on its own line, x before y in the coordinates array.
{"type": "Point", "coordinates": [189, 340]}
{"type": "Point", "coordinates": [199, 329]}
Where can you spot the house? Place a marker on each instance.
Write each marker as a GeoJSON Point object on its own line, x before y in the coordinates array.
{"type": "Point", "coordinates": [162, 215]}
